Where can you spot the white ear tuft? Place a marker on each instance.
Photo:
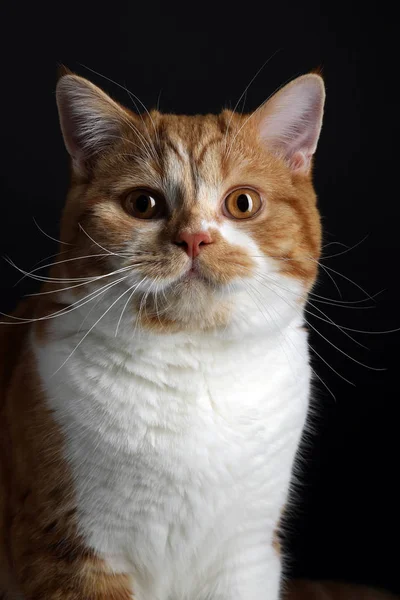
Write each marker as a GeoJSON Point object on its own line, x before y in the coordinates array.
{"type": "Point", "coordinates": [90, 120]}
{"type": "Point", "coordinates": [290, 122]}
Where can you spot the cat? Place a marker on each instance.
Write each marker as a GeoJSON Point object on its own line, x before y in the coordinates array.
{"type": "Point", "coordinates": [154, 392]}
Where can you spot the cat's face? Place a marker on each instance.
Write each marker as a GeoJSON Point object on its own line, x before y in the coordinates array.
{"type": "Point", "coordinates": [208, 211]}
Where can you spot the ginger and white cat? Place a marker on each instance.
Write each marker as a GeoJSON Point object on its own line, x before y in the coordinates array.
{"type": "Point", "coordinates": [154, 394]}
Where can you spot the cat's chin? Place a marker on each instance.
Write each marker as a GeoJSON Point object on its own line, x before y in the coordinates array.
{"type": "Point", "coordinates": [191, 302]}
{"type": "Point", "coordinates": [193, 286]}
{"type": "Point", "coordinates": [193, 279]}
{"type": "Point", "coordinates": [193, 274]}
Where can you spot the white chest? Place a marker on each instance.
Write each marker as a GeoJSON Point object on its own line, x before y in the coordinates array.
{"type": "Point", "coordinates": [175, 446]}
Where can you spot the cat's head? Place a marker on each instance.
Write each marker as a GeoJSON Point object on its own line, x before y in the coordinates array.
{"type": "Point", "coordinates": [214, 216]}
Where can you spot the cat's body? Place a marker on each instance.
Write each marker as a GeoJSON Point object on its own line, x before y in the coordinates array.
{"type": "Point", "coordinates": [149, 429]}
{"type": "Point", "coordinates": [193, 463]}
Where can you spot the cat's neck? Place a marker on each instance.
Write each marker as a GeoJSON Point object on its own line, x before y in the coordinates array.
{"type": "Point", "coordinates": [104, 328]}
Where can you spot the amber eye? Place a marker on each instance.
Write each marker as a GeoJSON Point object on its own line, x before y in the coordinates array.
{"type": "Point", "coordinates": [242, 204]}
{"type": "Point", "coordinates": [143, 204]}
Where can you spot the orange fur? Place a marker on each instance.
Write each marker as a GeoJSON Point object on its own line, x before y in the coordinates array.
{"type": "Point", "coordinates": [41, 551]}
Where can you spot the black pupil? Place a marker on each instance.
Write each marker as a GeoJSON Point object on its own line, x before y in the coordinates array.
{"type": "Point", "coordinates": [243, 203]}
{"type": "Point", "coordinates": [143, 203]}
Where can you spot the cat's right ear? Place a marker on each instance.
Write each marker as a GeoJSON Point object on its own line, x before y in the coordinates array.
{"type": "Point", "coordinates": [90, 120]}
{"type": "Point", "coordinates": [290, 122]}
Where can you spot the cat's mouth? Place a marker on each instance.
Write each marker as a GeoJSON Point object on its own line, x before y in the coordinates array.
{"type": "Point", "coordinates": [196, 273]}
{"type": "Point", "coordinates": [193, 272]}
{"type": "Point", "coordinates": [200, 274]}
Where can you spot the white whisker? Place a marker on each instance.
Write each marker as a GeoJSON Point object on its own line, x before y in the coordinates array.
{"type": "Point", "coordinates": [42, 261]}
{"type": "Point", "coordinates": [83, 283]}
{"type": "Point", "coordinates": [331, 368]}
{"type": "Point", "coordinates": [326, 319]}
{"type": "Point", "coordinates": [63, 311]}
{"type": "Point", "coordinates": [91, 329]}
{"type": "Point", "coordinates": [135, 287]}
{"type": "Point", "coordinates": [347, 249]}
{"type": "Point", "coordinates": [287, 339]}
{"type": "Point", "coordinates": [325, 338]}
{"type": "Point", "coordinates": [67, 260]}
{"type": "Point", "coordinates": [349, 280]}
{"type": "Point", "coordinates": [49, 236]}
{"type": "Point", "coordinates": [280, 330]}
{"type": "Point", "coordinates": [331, 278]}
{"type": "Point", "coordinates": [44, 278]}
{"type": "Point", "coordinates": [97, 244]}
{"type": "Point", "coordinates": [245, 92]}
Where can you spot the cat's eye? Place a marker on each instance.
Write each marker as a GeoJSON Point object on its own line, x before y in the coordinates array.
{"type": "Point", "coordinates": [242, 204]}
{"type": "Point", "coordinates": [143, 204]}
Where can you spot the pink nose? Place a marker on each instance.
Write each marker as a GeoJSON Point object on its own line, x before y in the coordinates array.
{"type": "Point", "coordinates": [192, 242]}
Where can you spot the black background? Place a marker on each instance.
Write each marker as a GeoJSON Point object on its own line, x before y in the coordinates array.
{"type": "Point", "coordinates": [199, 57]}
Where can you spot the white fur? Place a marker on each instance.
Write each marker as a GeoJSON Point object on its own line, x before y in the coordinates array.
{"type": "Point", "coordinates": [182, 445]}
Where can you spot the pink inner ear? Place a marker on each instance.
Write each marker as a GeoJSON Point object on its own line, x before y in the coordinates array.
{"type": "Point", "coordinates": [290, 122]}
{"type": "Point", "coordinates": [90, 120]}
{"type": "Point", "coordinates": [300, 161]}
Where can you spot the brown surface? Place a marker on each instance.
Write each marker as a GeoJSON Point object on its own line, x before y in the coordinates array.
{"type": "Point", "coordinates": [308, 590]}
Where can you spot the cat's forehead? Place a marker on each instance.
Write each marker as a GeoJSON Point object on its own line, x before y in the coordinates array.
{"type": "Point", "coordinates": [191, 160]}
{"type": "Point", "coordinates": [193, 155]}
{"type": "Point", "coordinates": [192, 130]}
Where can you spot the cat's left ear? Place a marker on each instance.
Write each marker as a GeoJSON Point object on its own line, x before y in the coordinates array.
{"type": "Point", "coordinates": [90, 120]}
{"type": "Point", "coordinates": [290, 122]}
